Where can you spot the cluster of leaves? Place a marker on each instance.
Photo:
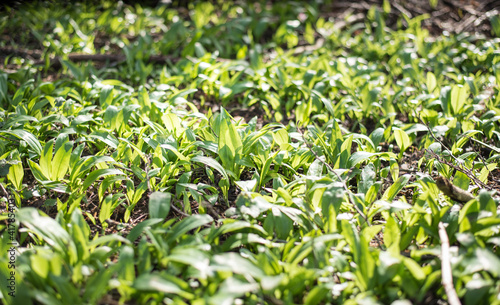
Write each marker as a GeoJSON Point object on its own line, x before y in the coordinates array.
{"type": "Point", "coordinates": [315, 211]}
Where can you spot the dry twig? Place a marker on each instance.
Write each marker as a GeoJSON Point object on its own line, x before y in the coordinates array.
{"type": "Point", "coordinates": [446, 275]}
{"type": "Point", "coordinates": [4, 191]}
{"type": "Point", "coordinates": [460, 168]}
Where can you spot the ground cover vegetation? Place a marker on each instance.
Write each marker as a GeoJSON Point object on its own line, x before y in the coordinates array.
{"type": "Point", "coordinates": [246, 153]}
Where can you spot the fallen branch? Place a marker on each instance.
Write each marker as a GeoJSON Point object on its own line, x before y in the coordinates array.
{"type": "Point", "coordinates": [446, 275]}
{"type": "Point", "coordinates": [452, 191]}
{"type": "Point", "coordinates": [176, 209]}
{"type": "Point", "coordinates": [117, 223]}
{"type": "Point", "coordinates": [8, 50]}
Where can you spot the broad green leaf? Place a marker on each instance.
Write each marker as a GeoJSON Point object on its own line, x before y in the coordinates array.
{"type": "Point", "coordinates": [112, 82]}
{"type": "Point", "coordinates": [106, 138]}
{"type": "Point", "coordinates": [60, 163]}
{"type": "Point", "coordinates": [141, 227]}
{"type": "Point", "coordinates": [46, 159]}
{"type": "Point", "coordinates": [316, 295]}
{"type": "Point", "coordinates": [461, 180]}
{"type": "Point", "coordinates": [415, 269]}
{"type": "Point", "coordinates": [281, 137]}
{"type": "Point", "coordinates": [402, 140]}
{"type": "Point", "coordinates": [94, 285]}
{"type": "Point", "coordinates": [4, 93]}
{"type": "Point", "coordinates": [125, 264]}
{"type": "Point", "coordinates": [16, 171]}
{"type": "Point", "coordinates": [489, 261]}
{"type": "Point", "coordinates": [108, 206]}
{"type": "Point", "coordinates": [361, 156]}
{"type": "Point", "coordinates": [431, 82]}
{"type": "Point", "coordinates": [188, 224]}
{"type": "Point", "coordinates": [394, 189]}
{"type": "Point", "coordinates": [239, 265]}
{"type": "Point", "coordinates": [458, 97]}
{"type": "Point", "coordinates": [175, 151]}
{"type": "Point", "coordinates": [21, 92]}
{"type": "Point", "coordinates": [85, 164]}
{"type": "Point", "coordinates": [92, 177]}
{"type": "Point", "coordinates": [172, 124]}
{"type": "Point", "coordinates": [485, 172]}
{"type": "Point", "coordinates": [159, 204]}
{"type": "Point", "coordinates": [163, 282]}
{"type": "Point", "coordinates": [182, 93]}
{"type": "Point", "coordinates": [495, 24]}
{"type": "Point", "coordinates": [101, 240]}
{"type": "Point", "coordinates": [239, 239]}
{"type": "Point", "coordinates": [212, 163]}
{"type": "Point", "coordinates": [392, 235]}
{"type": "Point", "coordinates": [37, 172]}
{"type": "Point", "coordinates": [230, 144]}
{"type": "Point", "coordinates": [49, 230]}
{"type": "Point", "coordinates": [26, 136]}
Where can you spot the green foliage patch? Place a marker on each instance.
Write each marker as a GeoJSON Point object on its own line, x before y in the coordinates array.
{"type": "Point", "coordinates": [136, 182]}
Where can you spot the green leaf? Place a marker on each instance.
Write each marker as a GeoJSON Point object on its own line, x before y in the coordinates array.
{"type": "Point", "coordinates": [141, 227]}
{"type": "Point", "coordinates": [414, 268]}
{"type": "Point", "coordinates": [461, 180]}
{"type": "Point", "coordinates": [394, 189]}
{"type": "Point", "coordinates": [26, 136]}
{"type": "Point", "coordinates": [4, 91]}
{"type": "Point", "coordinates": [188, 224]}
{"type": "Point", "coordinates": [495, 24]}
{"type": "Point", "coordinates": [46, 159]}
{"type": "Point", "coordinates": [108, 206]}
{"type": "Point", "coordinates": [402, 140]}
{"type": "Point", "coordinates": [160, 283]}
{"type": "Point", "coordinates": [392, 236]}
{"type": "Point", "coordinates": [316, 295]}
{"type": "Point", "coordinates": [212, 163]}
{"type": "Point", "coordinates": [281, 137]}
{"type": "Point", "coordinates": [16, 171]}
{"type": "Point", "coordinates": [94, 285]}
{"type": "Point", "coordinates": [230, 144]}
{"type": "Point", "coordinates": [458, 96]}
{"type": "Point", "coordinates": [85, 164]}
{"type": "Point", "coordinates": [106, 138]}
{"type": "Point", "coordinates": [125, 264]}
{"type": "Point", "coordinates": [489, 261]}
{"type": "Point", "coordinates": [159, 204]}
{"type": "Point", "coordinates": [101, 240]}
{"type": "Point", "coordinates": [50, 231]}
{"type": "Point", "coordinates": [60, 163]}
{"type": "Point", "coordinates": [239, 265]}
{"type": "Point", "coordinates": [359, 157]}
{"type": "Point", "coordinates": [485, 172]}
{"type": "Point", "coordinates": [92, 177]}
{"type": "Point", "coordinates": [37, 172]}
{"type": "Point", "coordinates": [431, 82]}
